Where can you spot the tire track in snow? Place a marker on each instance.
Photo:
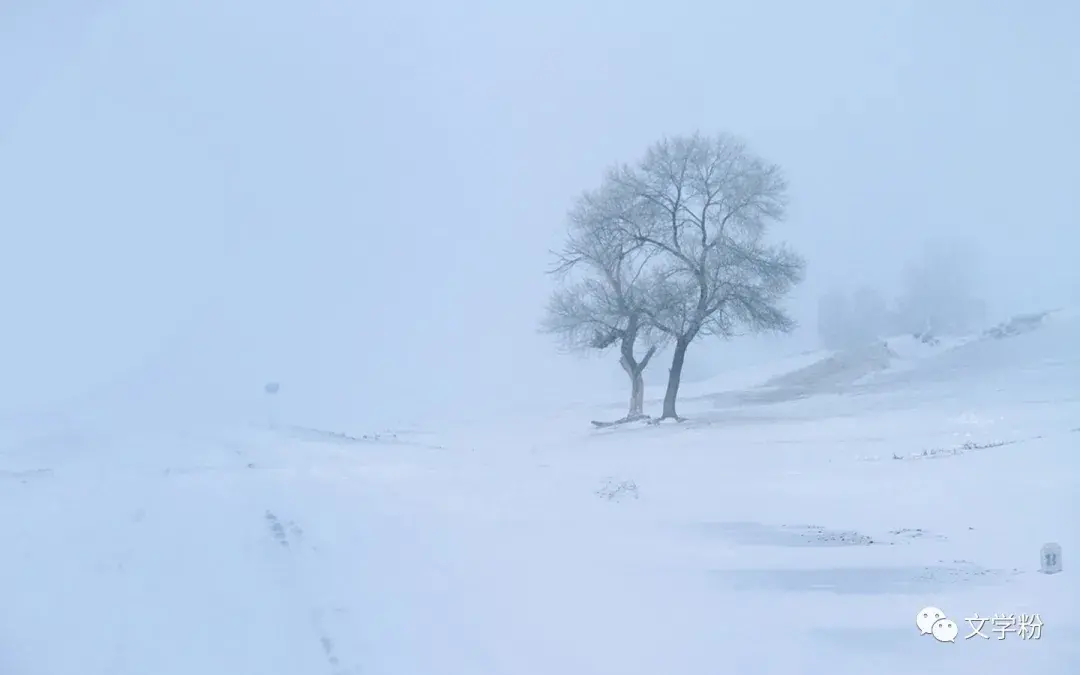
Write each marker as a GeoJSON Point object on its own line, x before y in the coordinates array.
{"type": "Point", "coordinates": [289, 536]}
{"type": "Point", "coordinates": [392, 593]}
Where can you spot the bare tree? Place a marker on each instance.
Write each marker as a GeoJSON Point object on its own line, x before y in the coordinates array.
{"type": "Point", "coordinates": [834, 319]}
{"type": "Point", "coordinates": [600, 301]}
{"type": "Point", "coordinates": [852, 320]}
{"type": "Point", "coordinates": [938, 296]}
{"type": "Point", "coordinates": [700, 207]}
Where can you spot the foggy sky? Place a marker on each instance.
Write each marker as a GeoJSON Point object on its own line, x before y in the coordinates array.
{"type": "Point", "coordinates": [357, 199]}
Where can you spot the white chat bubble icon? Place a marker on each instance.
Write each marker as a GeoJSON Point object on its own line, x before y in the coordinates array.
{"type": "Point", "coordinates": [926, 617]}
{"type": "Point", "coordinates": [944, 630]}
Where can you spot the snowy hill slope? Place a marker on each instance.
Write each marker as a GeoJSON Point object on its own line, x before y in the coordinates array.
{"type": "Point", "coordinates": [1035, 346]}
{"type": "Point", "coordinates": [1041, 344]}
{"type": "Point", "coordinates": [794, 534]}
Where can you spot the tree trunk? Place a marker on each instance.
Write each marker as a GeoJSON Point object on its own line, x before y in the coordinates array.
{"type": "Point", "coordinates": [629, 366]}
{"type": "Point", "coordinates": [637, 395]}
{"type": "Point", "coordinates": [634, 370]}
{"type": "Point", "coordinates": [674, 377]}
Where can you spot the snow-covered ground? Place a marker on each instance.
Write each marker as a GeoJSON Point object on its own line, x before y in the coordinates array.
{"type": "Point", "coordinates": [795, 532]}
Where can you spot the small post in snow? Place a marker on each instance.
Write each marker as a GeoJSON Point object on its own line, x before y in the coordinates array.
{"type": "Point", "coordinates": [271, 390]}
{"type": "Point", "coordinates": [1050, 558]}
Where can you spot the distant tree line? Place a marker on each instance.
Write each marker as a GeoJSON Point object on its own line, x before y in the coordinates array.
{"type": "Point", "coordinates": [937, 298]}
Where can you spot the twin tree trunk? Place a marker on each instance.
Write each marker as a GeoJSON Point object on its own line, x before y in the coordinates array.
{"type": "Point", "coordinates": [634, 370]}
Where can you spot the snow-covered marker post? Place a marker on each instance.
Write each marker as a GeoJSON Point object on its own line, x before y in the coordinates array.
{"type": "Point", "coordinates": [271, 390]}
{"type": "Point", "coordinates": [1050, 558]}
